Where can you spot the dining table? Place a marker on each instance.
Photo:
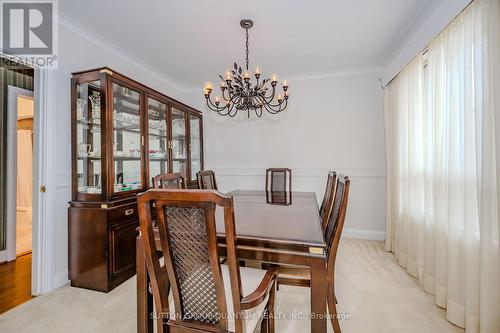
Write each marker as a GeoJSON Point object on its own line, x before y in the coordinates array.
{"type": "Point", "coordinates": [285, 232]}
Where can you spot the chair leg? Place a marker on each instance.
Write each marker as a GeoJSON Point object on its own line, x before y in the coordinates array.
{"type": "Point", "coordinates": [272, 296]}
{"type": "Point", "coordinates": [331, 301]}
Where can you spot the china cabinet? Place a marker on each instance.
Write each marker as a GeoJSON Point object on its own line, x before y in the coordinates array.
{"type": "Point", "coordinates": [123, 134]}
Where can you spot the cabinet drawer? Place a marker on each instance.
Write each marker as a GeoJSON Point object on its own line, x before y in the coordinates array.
{"type": "Point", "coordinates": [122, 213]}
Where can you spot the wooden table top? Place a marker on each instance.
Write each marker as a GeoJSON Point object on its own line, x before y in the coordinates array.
{"type": "Point", "coordinates": [255, 218]}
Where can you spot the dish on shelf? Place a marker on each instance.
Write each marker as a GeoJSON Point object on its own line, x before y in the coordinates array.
{"type": "Point", "coordinates": [89, 189]}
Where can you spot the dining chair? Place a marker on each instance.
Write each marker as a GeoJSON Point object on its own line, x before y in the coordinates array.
{"type": "Point", "coordinates": [192, 291]}
{"type": "Point", "coordinates": [333, 232]}
{"type": "Point", "coordinates": [299, 277]}
{"type": "Point", "coordinates": [327, 202]}
{"type": "Point", "coordinates": [206, 180]}
{"type": "Point", "coordinates": [169, 181]}
{"type": "Point", "coordinates": [279, 180]}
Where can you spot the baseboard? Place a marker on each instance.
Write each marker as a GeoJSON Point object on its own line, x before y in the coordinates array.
{"type": "Point", "coordinates": [61, 279]}
{"type": "Point", "coordinates": [3, 256]}
{"type": "Point", "coordinates": [364, 234]}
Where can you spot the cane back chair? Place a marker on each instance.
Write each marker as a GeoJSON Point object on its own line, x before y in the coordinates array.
{"type": "Point", "coordinates": [333, 231]}
{"type": "Point", "coordinates": [205, 296]}
{"type": "Point", "coordinates": [206, 180]}
{"type": "Point", "coordinates": [278, 180]}
{"type": "Point", "coordinates": [169, 181]}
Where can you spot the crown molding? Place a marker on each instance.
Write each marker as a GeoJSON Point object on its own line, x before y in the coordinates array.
{"type": "Point", "coordinates": [82, 31]}
{"type": "Point", "coordinates": [336, 73]}
{"type": "Point", "coordinates": [410, 28]}
{"type": "Point", "coordinates": [323, 75]}
{"type": "Point", "coordinates": [431, 21]}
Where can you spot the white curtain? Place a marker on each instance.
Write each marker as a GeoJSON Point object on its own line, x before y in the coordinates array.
{"type": "Point", "coordinates": [24, 169]}
{"type": "Point", "coordinates": [443, 154]}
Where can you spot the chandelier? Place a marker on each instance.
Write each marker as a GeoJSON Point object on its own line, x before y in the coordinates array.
{"type": "Point", "coordinates": [240, 93]}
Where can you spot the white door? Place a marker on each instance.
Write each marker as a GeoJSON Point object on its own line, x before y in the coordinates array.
{"type": "Point", "coordinates": [13, 95]}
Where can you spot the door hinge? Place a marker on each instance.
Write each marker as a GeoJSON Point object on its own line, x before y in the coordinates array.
{"type": "Point", "coordinates": [43, 189]}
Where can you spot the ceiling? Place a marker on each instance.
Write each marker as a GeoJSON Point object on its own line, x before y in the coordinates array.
{"type": "Point", "coordinates": [190, 41]}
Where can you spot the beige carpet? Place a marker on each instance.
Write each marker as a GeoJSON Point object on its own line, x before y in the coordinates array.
{"type": "Point", "coordinates": [377, 294]}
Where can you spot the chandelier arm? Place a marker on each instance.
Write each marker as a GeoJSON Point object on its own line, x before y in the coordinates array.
{"type": "Point", "coordinates": [234, 113]}
{"type": "Point", "coordinates": [274, 109]}
{"type": "Point", "coordinates": [269, 98]}
{"type": "Point", "coordinates": [268, 102]}
{"type": "Point", "coordinates": [210, 107]}
{"type": "Point", "coordinates": [214, 107]}
{"type": "Point", "coordinates": [258, 112]}
{"type": "Point", "coordinates": [270, 109]}
{"type": "Point", "coordinates": [228, 95]}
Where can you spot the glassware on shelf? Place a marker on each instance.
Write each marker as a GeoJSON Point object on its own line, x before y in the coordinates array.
{"type": "Point", "coordinates": [84, 149]}
{"type": "Point", "coordinates": [158, 141]}
{"type": "Point", "coordinates": [95, 101]}
{"type": "Point", "coordinates": [88, 138]}
{"type": "Point", "coordinates": [81, 103]}
{"type": "Point", "coordinates": [126, 139]}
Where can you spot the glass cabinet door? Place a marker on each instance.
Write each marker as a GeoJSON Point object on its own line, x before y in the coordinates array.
{"type": "Point", "coordinates": [158, 139]}
{"type": "Point", "coordinates": [88, 136]}
{"type": "Point", "coordinates": [195, 147]}
{"type": "Point", "coordinates": [127, 139]}
{"type": "Point", "coordinates": [179, 142]}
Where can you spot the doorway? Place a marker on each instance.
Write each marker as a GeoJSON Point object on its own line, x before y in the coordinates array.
{"type": "Point", "coordinates": [21, 108]}
{"type": "Point", "coordinates": [17, 121]}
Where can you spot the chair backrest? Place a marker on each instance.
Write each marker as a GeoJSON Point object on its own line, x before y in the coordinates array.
{"type": "Point", "coordinates": [327, 203]}
{"type": "Point", "coordinates": [337, 218]}
{"type": "Point", "coordinates": [188, 237]}
{"type": "Point", "coordinates": [169, 181]}
{"type": "Point", "coordinates": [279, 180]}
{"type": "Point", "coordinates": [206, 180]}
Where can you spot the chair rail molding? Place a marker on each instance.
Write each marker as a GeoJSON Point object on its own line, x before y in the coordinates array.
{"type": "Point", "coordinates": [352, 172]}
{"type": "Point", "coordinates": [366, 211]}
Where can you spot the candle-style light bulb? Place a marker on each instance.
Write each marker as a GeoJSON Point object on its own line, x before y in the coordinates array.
{"type": "Point", "coordinates": [217, 100]}
{"type": "Point", "coordinates": [274, 78]}
{"type": "Point", "coordinates": [209, 86]}
{"type": "Point", "coordinates": [257, 72]}
{"type": "Point", "coordinates": [246, 75]}
{"type": "Point", "coordinates": [223, 85]}
{"type": "Point", "coordinates": [285, 83]}
{"type": "Point", "coordinates": [228, 76]}
{"type": "Point", "coordinates": [280, 98]}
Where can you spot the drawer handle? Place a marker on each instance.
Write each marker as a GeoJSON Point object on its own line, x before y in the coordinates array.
{"type": "Point", "coordinates": [129, 211]}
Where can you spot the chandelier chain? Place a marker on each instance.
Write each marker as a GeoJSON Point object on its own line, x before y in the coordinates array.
{"type": "Point", "coordinates": [247, 46]}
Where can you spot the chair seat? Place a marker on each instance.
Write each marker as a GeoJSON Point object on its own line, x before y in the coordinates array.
{"type": "Point", "coordinates": [250, 280]}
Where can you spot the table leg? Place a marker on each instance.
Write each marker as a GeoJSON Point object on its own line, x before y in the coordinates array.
{"type": "Point", "coordinates": [318, 294]}
{"type": "Point", "coordinates": [144, 298]}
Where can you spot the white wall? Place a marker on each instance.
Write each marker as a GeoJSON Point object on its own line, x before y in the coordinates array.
{"type": "Point", "coordinates": [77, 52]}
{"type": "Point", "coordinates": [333, 123]}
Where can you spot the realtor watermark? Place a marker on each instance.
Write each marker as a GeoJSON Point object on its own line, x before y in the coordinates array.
{"type": "Point", "coordinates": [29, 32]}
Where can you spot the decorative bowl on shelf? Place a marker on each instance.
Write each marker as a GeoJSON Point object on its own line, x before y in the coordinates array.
{"type": "Point", "coordinates": [95, 154]}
